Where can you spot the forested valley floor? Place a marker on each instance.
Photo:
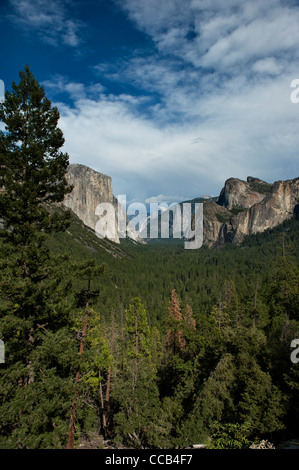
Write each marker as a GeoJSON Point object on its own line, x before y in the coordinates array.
{"type": "Point", "coordinates": [162, 347]}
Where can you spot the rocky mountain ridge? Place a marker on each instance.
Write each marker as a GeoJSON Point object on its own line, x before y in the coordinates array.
{"type": "Point", "coordinates": [249, 207]}
{"type": "Point", "coordinates": [242, 208]}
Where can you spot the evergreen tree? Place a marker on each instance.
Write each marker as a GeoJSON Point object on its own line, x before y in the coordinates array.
{"type": "Point", "coordinates": [32, 167]}
{"type": "Point", "coordinates": [86, 271]}
{"type": "Point", "coordinates": [139, 421]}
{"type": "Point", "coordinates": [35, 296]}
{"type": "Point", "coordinates": [175, 338]}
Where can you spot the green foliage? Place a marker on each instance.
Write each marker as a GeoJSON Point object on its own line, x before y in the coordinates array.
{"type": "Point", "coordinates": [35, 303]}
{"type": "Point", "coordinates": [169, 348]}
{"type": "Point", "coordinates": [32, 169]}
{"type": "Point", "coordinates": [36, 397]}
{"type": "Point", "coordinates": [260, 186]}
{"type": "Point", "coordinates": [223, 218]}
{"type": "Point", "coordinates": [229, 436]}
{"type": "Point", "coordinates": [216, 400]}
{"type": "Point", "coordinates": [137, 331]}
{"type": "Point", "coordinates": [261, 404]}
{"type": "Point", "coordinates": [136, 393]}
{"type": "Point", "coordinates": [140, 421]}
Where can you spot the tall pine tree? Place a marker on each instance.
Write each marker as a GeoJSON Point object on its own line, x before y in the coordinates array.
{"type": "Point", "coordinates": [139, 420]}
{"type": "Point", "coordinates": [34, 307]}
{"type": "Point", "coordinates": [32, 167]}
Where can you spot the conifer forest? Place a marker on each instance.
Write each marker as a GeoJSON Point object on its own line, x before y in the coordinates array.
{"type": "Point", "coordinates": [149, 346]}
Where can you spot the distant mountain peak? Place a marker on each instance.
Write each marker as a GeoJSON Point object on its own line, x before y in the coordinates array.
{"type": "Point", "coordinates": [242, 208]}
{"type": "Point", "coordinates": [249, 207]}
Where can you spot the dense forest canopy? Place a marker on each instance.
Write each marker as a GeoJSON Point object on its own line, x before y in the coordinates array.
{"type": "Point", "coordinates": [151, 346]}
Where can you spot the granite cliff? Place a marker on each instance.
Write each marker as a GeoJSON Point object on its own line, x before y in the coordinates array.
{"type": "Point", "coordinates": [91, 188]}
{"type": "Point", "coordinates": [248, 207]}
{"type": "Point", "coordinates": [242, 208]}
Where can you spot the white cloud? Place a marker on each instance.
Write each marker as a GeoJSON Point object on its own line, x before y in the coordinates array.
{"type": "Point", "coordinates": [49, 19]}
{"type": "Point", "coordinates": [269, 66]}
{"type": "Point", "coordinates": [263, 37]}
{"type": "Point", "coordinates": [214, 100]}
{"type": "Point", "coordinates": [225, 34]}
{"type": "Point", "coordinates": [76, 91]}
{"type": "Point", "coordinates": [247, 131]}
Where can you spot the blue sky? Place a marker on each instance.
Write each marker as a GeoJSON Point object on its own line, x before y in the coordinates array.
{"type": "Point", "coordinates": [168, 97]}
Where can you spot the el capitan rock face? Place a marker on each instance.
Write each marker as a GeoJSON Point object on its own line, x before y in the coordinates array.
{"type": "Point", "coordinates": [91, 188]}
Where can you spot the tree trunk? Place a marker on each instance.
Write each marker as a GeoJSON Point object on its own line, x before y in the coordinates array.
{"type": "Point", "coordinates": [71, 435]}
{"type": "Point", "coordinates": [108, 386]}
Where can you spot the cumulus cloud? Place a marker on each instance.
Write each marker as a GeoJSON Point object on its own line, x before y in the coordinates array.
{"type": "Point", "coordinates": [212, 100]}
{"type": "Point", "coordinates": [253, 131]}
{"type": "Point", "coordinates": [224, 34]}
{"type": "Point", "coordinates": [59, 84]}
{"type": "Point", "coordinates": [270, 66]}
{"type": "Point", "coordinates": [49, 19]}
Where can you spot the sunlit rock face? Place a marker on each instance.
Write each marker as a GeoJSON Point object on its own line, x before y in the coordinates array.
{"type": "Point", "coordinates": [241, 194]}
{"type": "Point", "coordinates": [91, 188]}
{"type": "Point", "coordinates": [251, 206]}
{"type": "Point", "coordinates": [276, 207]}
